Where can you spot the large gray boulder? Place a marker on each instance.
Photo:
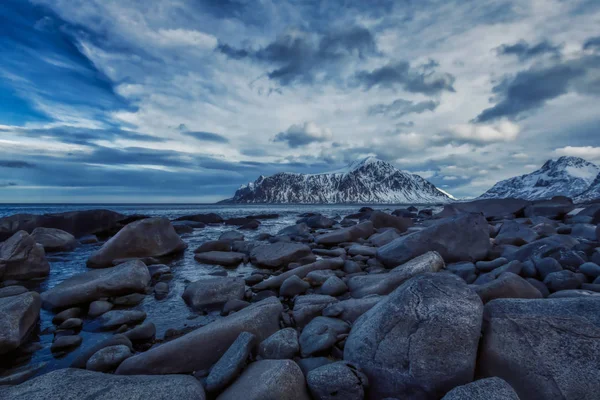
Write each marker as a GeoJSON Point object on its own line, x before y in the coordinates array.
{"type": "Point", "coordinates": [275, 282]}
{"type": "Point", "coordinates": [126, 278]}
{"type": "Point", "coordinates": [338, 380]}
{"type": "Point", "coordinates": [483, 389]}
{"type": "Point", "coordinates": [349, 310]}
{"type": "Point", "coordinates": [203, 347]}
{"type": "Point", "coordinates": [546, 247]}
{"type": "Point", "coordinates": [231, 363]}
{"type": "Point", "coordinates": [18, 316]}
{"type": "Point", "coordinates": [507, 285]}
{"type": "Point", "coordinates": [213, 291]}
{"type": "Point", "coordinates": [321, 334]}
{"type": "Point", "coordinates": [268, 380]}
{"type": "Point", "coordinates": [150, 237]}
{"type": "Point", "coordinates": [309, 306]}
{"type": "Point", "coordinates": [421, 341]}
{"type": "Point", "coordinates": [462, 238]}
{"type": "Point", "coordinates": [515, 233]}
{"type": "Point", "coordinates": [545, 349]}
{"type": "Point", "coordinates": [108, 358]}
{"type": "Point", "coordinates": [281, 345]}
{"type": "Point", "coordinates": [77, 384]}
{"type": "Point", "coordinates": [277, 255]}
{"type": "Point", "coordinates": [365, 285]}
{"type": "Point", "coordinates": [384, 220]}
{"type": "Point", "coordinates": [224, 258]}
{"type": "Point", "coordinates": [350, 234]}
{"type": "Point", "coordinates": [22, 258]}
{"type": "Point", "coordinates": [54, 239]}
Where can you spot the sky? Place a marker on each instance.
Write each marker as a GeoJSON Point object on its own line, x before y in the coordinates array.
{"type": "Point", "coordinates": [185, 100]}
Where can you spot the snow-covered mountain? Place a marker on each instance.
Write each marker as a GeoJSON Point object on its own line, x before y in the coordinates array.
{"type": "Point", "coordinates": [365, 181]}
{"type": "Point", "coordinates": [592, 193]}
{"type": "Point", "coordinates": [567, 176]}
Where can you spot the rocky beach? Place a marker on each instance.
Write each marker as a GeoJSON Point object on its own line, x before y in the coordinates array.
{"type": "Point", "coordinates": [494, 299]}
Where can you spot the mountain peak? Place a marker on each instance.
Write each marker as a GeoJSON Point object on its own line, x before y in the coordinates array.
{"type": "Point", "coordinates": [566, 161]}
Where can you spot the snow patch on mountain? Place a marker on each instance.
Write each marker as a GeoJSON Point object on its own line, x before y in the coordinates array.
{"type": "Point", "coordinates": [369, 180]}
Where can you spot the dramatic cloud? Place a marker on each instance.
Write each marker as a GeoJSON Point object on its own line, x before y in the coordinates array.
{"type": "Point", "coordinates": [588, 152]}
{"type": "Point", "coordinates": [402, 107]}
{"type": "Point", "coordinates": [525, 51]}
{"type": "Point", "coordinates": [15, 164]}
{"type": "Point", "coordinates": [206, 136]}
{"type": "Point", "coordinates": [302, 135]}
{"type": "Point", "coordinates": [592, 43]}
{"type": "Point", "coordinates": [423, 79]}
{"type": "Point", "coordinates": [482, 133]}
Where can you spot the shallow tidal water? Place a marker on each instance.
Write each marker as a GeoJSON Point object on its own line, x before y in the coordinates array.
{"type": "Point", "coordinates": [170, 312]}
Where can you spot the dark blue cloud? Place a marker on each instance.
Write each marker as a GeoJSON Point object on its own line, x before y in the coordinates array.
{"type": "Point", "coordinates": [202, 135]}
{"type": "Point", "coordinates": [42, 62]}
{"type": "Point", "coordinates": [402, 107]}
{"type": "Point", "coordinates": [524, 51]}
{"type": "Point", "coordinates": [298, 56]}
{"type": "Point", "coordinates": [400, 74]}
{"type": "Point", "coordinates": [592, 43]}
{"type": "Point", "coordinates": [15, 164]}
{"type": "Point", "coordinates": [529, 90]}
{"type": "Point", "coordinates": [86, 136]}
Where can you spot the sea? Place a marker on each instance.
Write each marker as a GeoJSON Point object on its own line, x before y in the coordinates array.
{"type": "Point", "coordinates": [171, 312]}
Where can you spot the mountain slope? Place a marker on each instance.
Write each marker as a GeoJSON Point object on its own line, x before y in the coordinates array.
{"type": "Point", "coordinates": [567, 176]}
{"type": "Point", "coordinates": [366, 181]}
{"type": "Point", "coordinates": [592, 193]}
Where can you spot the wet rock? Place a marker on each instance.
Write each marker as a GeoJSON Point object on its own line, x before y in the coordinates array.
{"type": "Point", "coordinates": [231, 363]}
{"type": "Point", "coordinates": [321, 334]}
{"type": "Point", "coordinates": [513, 267]}
{"type": "Point", "coordinates": [465, 270]}
{"type": "Point", "coordinates": [157, 270]}
{"type": "Point", "coordinates": [508, 285]}
{"type": "Point", "coordinates": [233, 305]}
{"type": "Point", "coordinates": [150, 237]}
{"type": "Point", "coordinates": [71, 384]}
{"type": "Point", "coordinates": [334, 286]}
{"type": "Point", "coordinates": [66, 343]}
{"type": "Point", "coordinates": [515, 233]}
{"type": "Point", "coordinates": [545, 247]}
{"type": "Point", "coordinates": [202, 347]}
{"type": "Point", "coordinates": [487, 266]}
{"type": "Point", "coordinates": [71, 324]}
{"type": "Point", "coordinates": [590, 269]}
{"type": "Point", "coordinates": [584, 231]}
{"type": "Point", "coordinates": [226, 259]}
{"type": "Point", "coordinates": [129, 300]}
{"type": "Point", "coordinates": [562, 280]}
{"type": "Point", "coordinates": [350, 310]}
{"type": "Point", "coordinates": [421, 341]}
{"type": "Point", "coordinates": [21, 374]}
{"type": "Point", "coordinates": [141, 333]}
{"type": "Point", "coordinates": [352, 267]}
{"type": "Point", "coordinates": [129, 277]}
{"type": "Point", "coordinates": [231, 236]}
{"type": "Point", "coordinates": [317, 221]}
{"type": "Point", "coordinates": [22, 258]}
{"type": "Point", "coordinates": [361, 286]}
{"type": "Point", "coordinates": [330, 252]}
{"type": "Point", "coordinates": [268, 379]}
{"type": "Point", "coordinates": [298, 230]}
{"type": "Point", "coordinates": [283, 344]}
{"type": "Point", "coordinates": [210, 218]}
{"type": "Point", "coordinates": [89, 239]}
{"type": "Point", "coordinates": [54, 239]}
{"type": "Point", "coordinates": [12, 291]}
{"type": "Point", "coordinates": [18, 316]}
{"type": "Point", "coordinates": [293, 286]}
{"type": "Point", "coordinates": [546, 266]}
{"type": "Point", "coordinates": [309, 306]}
{"type": "Point", "coordinates": [338, 380]}
{"type": "Point", "coordinates": [278, 255]}
{"type": "Point", "coordinates": [181, 227]}
{"type": "Point", "coordinates": [384, 220]}
{"type": "Point", "coordinates": [213, 291]}
{"type": "Point", "coordinates": [161, 290]}
{"type": "Point", "coordinates": [276, 281]}
{"type": "Point", "coordinates": [383, 238]}
{"type": "Point", "coordinates": [569, 293]}
{"type": "Point", "coordinates": [108, 358]}
{"type": "Point", "coordinates": [556, 208]}
{"type": "Point", "coordinates": [81, 360]}
{"type": "Point", "coordinates": [359, 250]}
{"type": "Point", "coordinates": [350, 234]}
{"type": "Point", "coordinates": [545, 349]}
{"type": "Point", "coordinates": [116, 318]}
{"type": "Point", "coordinates": [317, 278]}
{"type": "Point", "coordinates": [308, 364]}
{"type": "Point", "coordinates": [99, 307]}
{"type": "Point", "coordinates": [214, 245]}
{"type": "Point", "coordinates": [483, 389]}
{"type": "Point", "coordinates": [64, 315]}
{"type": "Point", "coordinates": [471, 244]}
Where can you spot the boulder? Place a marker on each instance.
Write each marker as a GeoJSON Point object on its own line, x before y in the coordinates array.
{"type": "Point", "coordinates": [562, 280]}
{"type": "Point", "coordinates": [130, 277]}
{"type": "Point", "coordinates": [383, 238]}
{"type": "Point", "coordinates": [421, 341]}
{"type": "Point", "coordinates": [293, 286]}
{"type": "Point", "coordinates": [12, 291]}
{"type": "Point", "coordinates": [555, 208]}
{"type": "Point", "coordinates": [18, 316]}
{"type": "Point", "coordinates": [65, 343]}
{"type": "Point", "coordinates": [465, 270]}
{"type": "Point", "coordinates": [364, 285]}
{"type": "Point", "coordinates": [339, 380]}
{"type": "Point", "coordinates": [317, 221]}
{"type": "Point", "coordinates": [22, 258]}
{"type": "Point", "coordinates": [507, 286]}
{"type": "Point", "coordinates": [298, 230]}
{"type": "Point", "coordinates": [181, 227]}
{"type": "Point", "coordinates": [515, 233]}
{"type": "Point", "coordinates": [492, 209]}
{"type": "Point", "coordinates": [231, 236]}
{"type": "Point", "coordinates": [545, 349]}
{"type": "Point", "coordinates": [472, 244]}
{"type": "Point", "coordinates": [108, 358]}
{"type": "Point", "coordinates": [210, 218]}
{"type": "Point", "coordinates": [54, 239]}
{"type": "Point", "coordinates": [277, 255]}
{"type": "Point", "coordinates": [250, 225]}
{"type": "Point", "coordinates": [590, 269]}
{"type": "Point", "coordinates": [213, 292]}
{"type": "Point", "coordinates": [483, 389]}
{"type": "Point", "coordinates": [546, 247]}
{"type": "Point", "coordinates": [72, 384]}
{"type": "Point", "coordinates": [202, 347]}
{"type": "Point", "coordinates": [77, 223]}
{"type": "Point", "coordinates": [99, 307]}
{"type": "Point", "coordinates": [214, 245]}
{"type": "Point", "coordinates": [309, 306]}
{"type": "Point", "coordinates": [350, 234]}
{"type": "Point", "coordinates": [116, 318]}
{"type": "Point", "coordinates": [334, 286]}
{"type": "Point", "coordinates": [584, 231]}
{"type": "Point", "coordinates": [360, 250]}
{"type": "Point", "coordinates": [81, 360]}
{"type": "Point", "coordinates": [321, 334]}
{"type": "Point", "coordinates": [150, 237]}
{"type": "Point", "coordinates": [268, 380]}
{"type": "Point", "coordinates": [275, 282]}
{"type": "Point", "coordinates": [546, 266]}
{"type": "Point", "coordinates": [224, 258]}
{"type": "Point", "coordinates": [349, 310]}
{"type": "Point", "coordinates": [281, 345]}
{"type": "Point", "coordinates": [488, 266]}
{"type": "Point", "coordinates": [230, 365]}
{"type": "Point", "coordinates": [308, 364]}
{"type": "Point", "coordinates": [384, 220]}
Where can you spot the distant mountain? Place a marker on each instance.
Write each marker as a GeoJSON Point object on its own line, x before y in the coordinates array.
{"type": "Point", "coordinates": [592, 193]}
{"type": "Point", "coordinates": [567, 176]}
{"type": "Point", "coordinates": [365, 181]}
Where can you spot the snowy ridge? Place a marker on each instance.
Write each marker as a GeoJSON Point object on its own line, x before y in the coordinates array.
{"type": "Point", "coordinates": [592, 193]}
{"type": "Point", "coordinates": [567, 176]}
{"type": "Point", "coordinates": [365, 181]}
